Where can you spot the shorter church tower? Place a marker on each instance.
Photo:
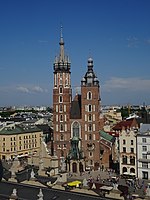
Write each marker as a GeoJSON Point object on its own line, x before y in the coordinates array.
{"type": "Point", "coordinates": [90, 101]}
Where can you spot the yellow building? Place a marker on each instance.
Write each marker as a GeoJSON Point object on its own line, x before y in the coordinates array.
{"type": "Point", "coordinates": [19, 140]}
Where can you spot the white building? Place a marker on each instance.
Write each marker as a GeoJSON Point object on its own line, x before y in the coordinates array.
{"type": "Point", "coordinates": [143, 152]}
{"type": "Point", "coordinates": [127, 146]}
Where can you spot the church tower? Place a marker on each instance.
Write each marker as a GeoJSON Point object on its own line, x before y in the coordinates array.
{"type": "Point", "coordinates": [62, 96]}
{"type": "Point", "coordinates": [90, 101]}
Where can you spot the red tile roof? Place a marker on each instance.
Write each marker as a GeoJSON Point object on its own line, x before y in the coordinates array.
{"type": "Point", "coordinates": [125, 124]}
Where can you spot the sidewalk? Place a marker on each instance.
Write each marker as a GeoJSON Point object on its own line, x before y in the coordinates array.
{"type": "Point", "coordinates": [115, 194]}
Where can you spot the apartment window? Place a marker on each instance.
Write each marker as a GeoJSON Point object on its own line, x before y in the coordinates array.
{"type": "Point", "coordinates": [56, 118]}
{"type": "Point", "coordinates": [132, 150]}
{"type": "Point", "coordinates": [132, 160]}
{"type": "Point", "coordinates": [124, 142]}
{"type": "Point", "coordinates": [143, 140]}
{"type": "Point", "coordinates": [3, 149]}
{"type": "Point", "coordinates": [144, 148]}
{"type": "Point", "coordinates": [144, 165]}
{"type": "Point", "coordinates": [65, 146]}
{"type": "Point", "coordinates": [144, 156]}
{"type": "Point", "coordinates": [124, 149]}
{"type": "Point", "coordinates": [131, 142]}
{"type": "Point", "coordinates": [3, 139]}
{"type": "Point", "coordinates": [144, 175]}
{"type": "Point", "coordinates": [124, 159]}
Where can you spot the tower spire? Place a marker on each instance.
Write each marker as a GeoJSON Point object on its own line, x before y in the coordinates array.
{"type": "Point", "coordinates": [61, 46]}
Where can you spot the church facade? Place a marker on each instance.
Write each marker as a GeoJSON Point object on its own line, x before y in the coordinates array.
{"type": "Point", "coordinates": [76, 121]}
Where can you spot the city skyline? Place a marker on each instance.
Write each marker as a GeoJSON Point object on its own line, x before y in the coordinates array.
{"type": "Point", "coordinates": [116, 34]}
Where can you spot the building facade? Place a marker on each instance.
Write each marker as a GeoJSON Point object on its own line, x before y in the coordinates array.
{"type": "Point", "coordinates": [127, 130]}
{"type": "Point", "coordinates": [143, 152]}
{"type": "Point", "coordinates": [76, 122]}
{"type": "Point", "coordinates": [19, 140]}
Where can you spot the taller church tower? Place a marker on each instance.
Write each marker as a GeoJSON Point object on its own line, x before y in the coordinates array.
{"type": "Point", "coordinates": [62, 96]}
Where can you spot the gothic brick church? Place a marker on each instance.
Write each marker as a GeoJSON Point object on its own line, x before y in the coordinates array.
{"type": "Point", "coordinates": [76, 120]}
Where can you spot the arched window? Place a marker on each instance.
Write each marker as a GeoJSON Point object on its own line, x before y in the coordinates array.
{"type": "Point", "coordinates": [89, 95]}
{"type": "Point", "coordinates": [60, 99]}
{"type": "Point", "coordinates": [61, 118]}
{"type": "Point", "coordinates": [90, 127]}
{"type": "Point", "coordinates": [124, 169]}
{"type": "Point", "coordinates": [60, 108]}
{"type": "Point", "coordinates": [90, 136]}
{"type": "Point", "coordinates": [124, 159]}
{"type": "Point", "coordinates": [76, 129]}
{"type": "Point", "coordinates": [61, 127]}
{"type": "Point", "coordinates": [60, 90]}
{"type": "Point", "coordinates": [90, 117]}
{"type": "Point", "coordinates": [90, 108]}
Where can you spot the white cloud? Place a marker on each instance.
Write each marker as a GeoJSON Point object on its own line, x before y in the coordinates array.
{"type": "Point", "coordinates": [23, 89]}
{"type": "Point", "coordinates": [31, 89]}
{"type": "Point", "coordinates": [130, 84]}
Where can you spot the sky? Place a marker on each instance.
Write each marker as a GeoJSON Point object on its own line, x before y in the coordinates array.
{"type": "Point", "coordinates": [115, 33]}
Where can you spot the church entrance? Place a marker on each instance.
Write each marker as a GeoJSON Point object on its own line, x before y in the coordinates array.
{"type": "Point", "coordinates": [74, 167]}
